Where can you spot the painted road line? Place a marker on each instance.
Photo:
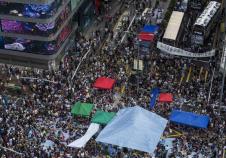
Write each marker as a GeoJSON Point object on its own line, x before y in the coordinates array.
{"type": "Point", "coordinates": [200, 72]}
{"type": "Point", "coordinates": [206, 75]}
{"type": "Point", "coordinates": [189, 74]}
{"type": "Point", "coordinates": [181, 79]}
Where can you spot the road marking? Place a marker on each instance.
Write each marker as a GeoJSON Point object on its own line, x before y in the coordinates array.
{"type": "Point", "coordinates": [173, 134]}
{"type": "Point", "coordinates": [129, 27]}
{"type": "Point", "coordinates": [200, 72]}
{"type": "Point", "coordinates": [123, 89]}
{"type": "Point", "coordinates": [189, 74]}
{"type": "Point", "coordinates": [182, 78]}
{"type": "Point", "coordinates": [206, 75]}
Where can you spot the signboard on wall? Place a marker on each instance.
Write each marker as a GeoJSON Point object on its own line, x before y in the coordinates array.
{"type": "Point", "coordinates": [74, 4]}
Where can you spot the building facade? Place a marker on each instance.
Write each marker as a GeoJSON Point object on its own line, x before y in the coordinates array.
{"type": "Point", "coordinates": [36, 32]}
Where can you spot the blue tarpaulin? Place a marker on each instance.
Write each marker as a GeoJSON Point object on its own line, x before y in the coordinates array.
{"type": "Point", "coordinates": [150, 29]}
{"type": "Point", "coordinates": [134, 128]}
{"type": "Point", "coordinates": [154, 94]}
{"type": "Point", "coordinates": [189, 118]}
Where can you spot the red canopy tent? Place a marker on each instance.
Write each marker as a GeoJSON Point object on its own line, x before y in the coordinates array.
{"type": "Point", "coordinates": [104, 83]}
{"type": "Point", "coordinates": [165, 97]}
{"type": "Point", "coordinates": [146, 36]}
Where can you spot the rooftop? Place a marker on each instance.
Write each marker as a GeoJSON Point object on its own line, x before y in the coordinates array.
{"type": "Point", "coordinates": [208, 13]}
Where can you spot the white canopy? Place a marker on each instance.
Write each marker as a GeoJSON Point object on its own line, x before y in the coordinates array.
{"type": "Point", "coordinates": [134, 128]}
{"type": "Point", "coordinates": [81, 142]}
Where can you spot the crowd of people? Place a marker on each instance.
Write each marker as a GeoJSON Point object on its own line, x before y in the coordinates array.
{"type": "Point", "coordinates": [37, 122]}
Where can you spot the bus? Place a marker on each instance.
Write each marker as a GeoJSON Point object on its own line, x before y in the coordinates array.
{"type": "Point", "coordinates": [205, 22]}
{"type": "Point", "coordinates": [173, 29]}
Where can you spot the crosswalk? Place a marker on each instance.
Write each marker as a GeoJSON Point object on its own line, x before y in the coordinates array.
{"type": "Point", "coordinates": [189, 73]}
{"type": "Point", "coordinates": [200, 72]}
{"type": "Point", "coordinates": [206, 75]}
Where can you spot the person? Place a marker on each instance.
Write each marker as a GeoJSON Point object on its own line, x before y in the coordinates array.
{"type": "Point", "coordinates": [41, 125]}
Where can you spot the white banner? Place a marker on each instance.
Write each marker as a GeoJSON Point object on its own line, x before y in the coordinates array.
{"type": "Point", "coordinates": [81, 142]}
{"type": "Point", "coordinates": [180, 52]}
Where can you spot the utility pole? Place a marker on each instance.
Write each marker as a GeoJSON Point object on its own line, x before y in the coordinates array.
{"type": "Point", "coordinates": [224, 57]}
{"type": "Point", "coordinates": [223, 79]}
{"type": "Point", "coordinates": [83, 58]}
{"type": "Point", "coordinates": [138, 61]}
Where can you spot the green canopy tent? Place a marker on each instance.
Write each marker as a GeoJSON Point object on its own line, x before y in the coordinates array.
{"type": "Point", "coordinates": [82, 109]}
{"type": "Point", "coordinates": [102, 117]}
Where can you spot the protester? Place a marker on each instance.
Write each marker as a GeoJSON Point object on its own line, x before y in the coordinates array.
{"type": "Point", "coordinates": [37, 122]}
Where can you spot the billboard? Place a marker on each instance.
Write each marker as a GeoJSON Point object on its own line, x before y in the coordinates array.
{"type": "Point", "coordinates": [41, 29]}
{"type": "Point", "coordinates": [37, 47]}
{"type": "Point", "coordinates": [41, 11]}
